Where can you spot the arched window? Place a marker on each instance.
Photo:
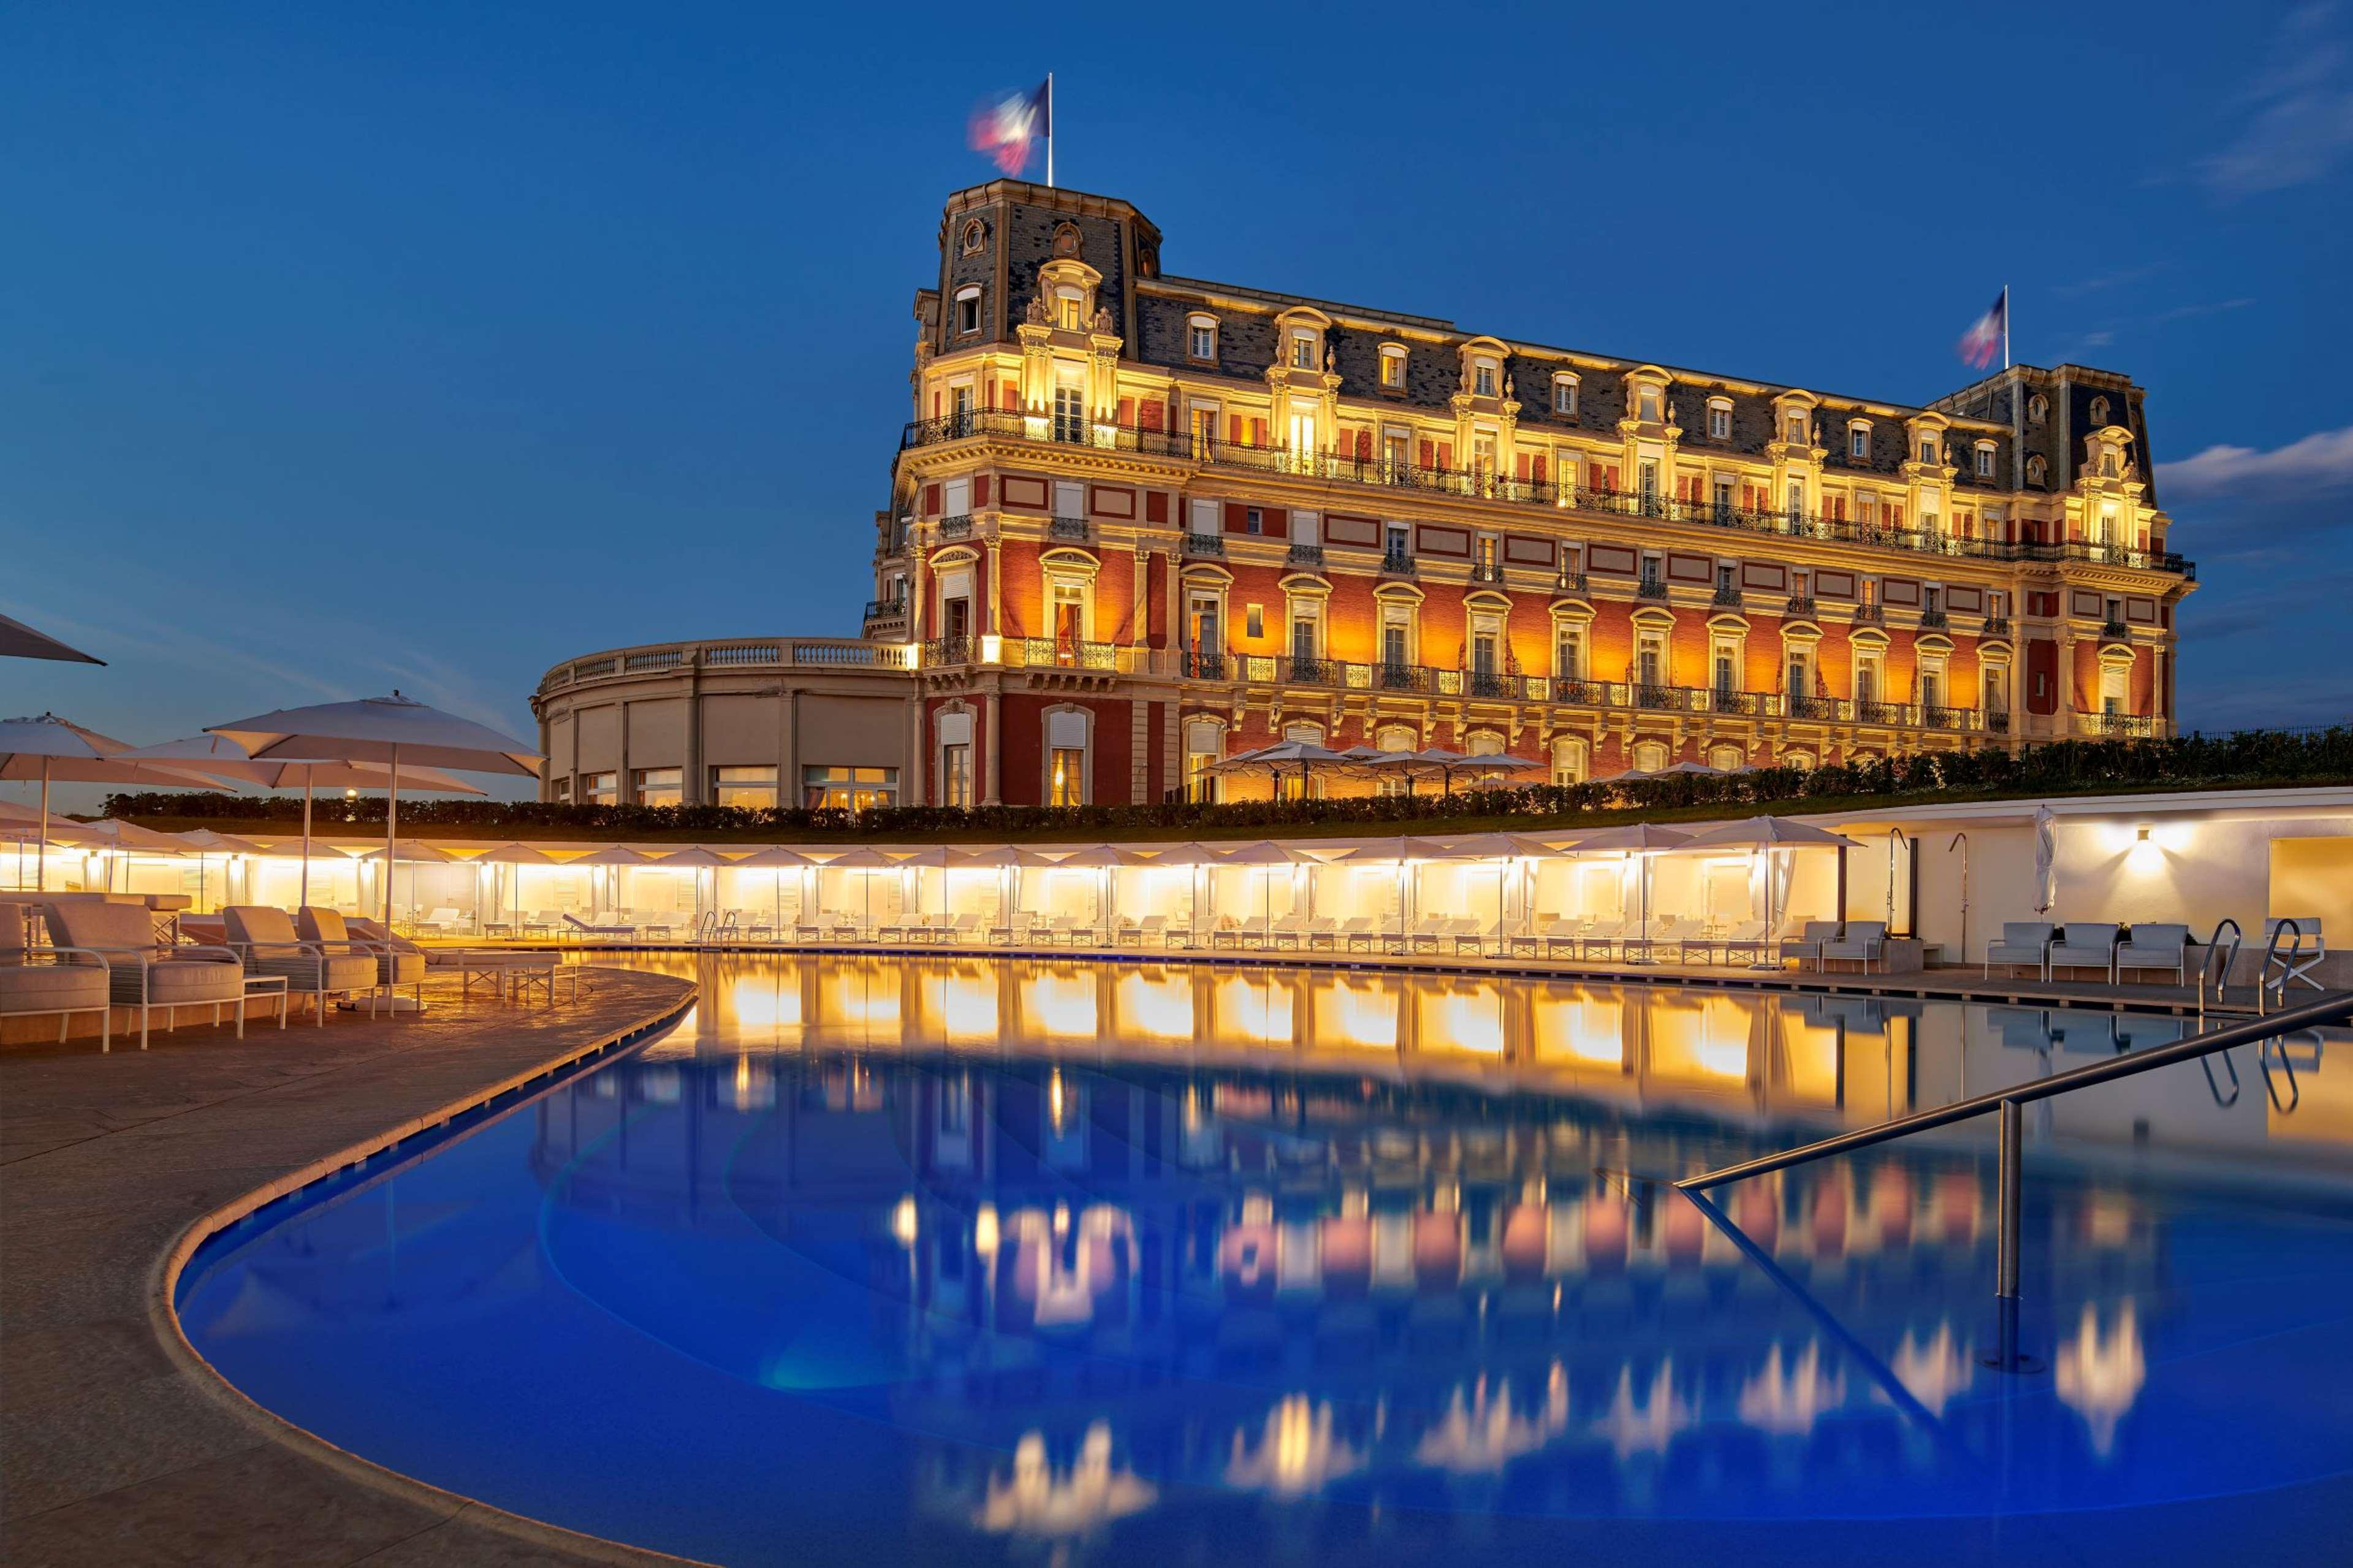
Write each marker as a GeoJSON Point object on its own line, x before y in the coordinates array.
{"type": "Point", "coordinates": [1650, 755]}
{"type": "Point", "coordinates": [1205, 741]}
{"type": "Point", "coordinates": [1201, 337]}
{"type": "Point", "coordinates": [1797, 759]}
{"type": "Point", "coordinates": [2038, 469]}
{"type": "Point", "coordinates": [1726, 757]}
{"type": "Point", "coordinates": [1568, 759]}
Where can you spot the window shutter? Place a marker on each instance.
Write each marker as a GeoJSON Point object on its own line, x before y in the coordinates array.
{"type": "Point", "coordinates": [1237, 516]}
{"type": "Point", "coordinates": [1426, 453]}
{"type": "Point", "coordinates": [1013, 395]}
{"type": "Point", "coordinates": [980, 490]}
{"type": "Point", "coordinates": [932, 499]}
{"type": "Point", "coordinates": [936, 403]}
{"type": "Point", "coordinates": [1257, 432]}
{"type": "Point", "coordinates": [1154, 412]}
{"type": "Point", "coordinates": [1364, 446]}
{"type": "Point", "coordinates": [1520, 464]}
{"type": "Point", "coordinates": [1445, 454]}
{"type": "Point", "coordinates": [1127, 412]}
{"type": "Point", "coordinates": [1539, 468]}
{"type": "Point", "coordinates": [1234, 429]}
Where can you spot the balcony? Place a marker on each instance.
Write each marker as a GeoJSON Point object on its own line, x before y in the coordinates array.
{"type": "Point", "coordinates": [1726, 598]}
{"type": "Point", "coordinates": [1821, 710]}
{"type": "Point", "coordinates": [1195, 665]}
{"type": "Point", "coordinates": [2116, 631]}
{"type": "Point", "coordinates": [943, 650]}
{"type": "Point", "coordinates": [1304, 555]}
{"type": "Point", "coordinates": [1570, 582]}
{"type": "Point", "coordinates": [1060, 653]}
{"type": "Point", "coordinates": [1650, 588]}
{"type": "Point", "coordinates": [1204, 543]}
{"type": "Point", "coordinates": [1394, 565]}
{"type": "Point", "coordinates": [1487, 572]}
{"type": "Point", "coordinates": [2115, 726]}
{"type": "Point", "coordinates": [885, 615]}
{"type": "Point", "coordinates": [1071, 528]}
{"type": "Point", "coordinates": [1871, 615]}
{"type": "Point", "coordinates": [959, 527]}
{"type": "Point", "coordinates": [1933, 621]}
{"type": "Point", "coordinates": [1996, 626]}
{"type": "Point", "coordinates": [1997, 721]}
{"type": "Point", "coordinates": [1800, 608]}
{"type": "Point", "coordinates": [1475, 483]}
{"type": "Point", "coordinates": [679, 658]}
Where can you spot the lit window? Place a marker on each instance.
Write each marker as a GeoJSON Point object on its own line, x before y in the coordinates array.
{"type": "Point", "coordinates": [968, 303]}
{"type": "Point", "coordinates": [751, 789]}
{"type": "Point", "coordinates": [1928, 449]}
{"type": "Point", "coordinates": [559, 790]}
{"type": "Point", "coordinates": [1484, 379]}
{"type": "Point", "coordinates": [1796, 435]}
{"type": "Point", "coordinates": [1065, 777]}
{"type": "Point", "coordinates": [1201, 337]}
{"type": "Point", "coordinates": [847, 789]}
{"type": "Point", "coordinates": [1650, 404]}
{"type": "Point", "coordinates": [1858, 441]}
{"type": "Point", "coordinates": [1302, 350]}
{"type": "Point", "coordinates": [956, 774]}
{"type": "Point", "coordinates": [1392, 366]}
{"type": "Point", "coordinates": [1066, 311]}
{"type": "Point", "coordinates": [1719, 422]}
{"type": "Point", "coordinates": [1203, 742]}
{"type": "Point", "coordinates": [600, 789]}
{"type": "Point", "coordinates": [1985, 460]}
{"type": "Point", "coordinates": [657, 786]}
{"type": "Point", "coordinates": [1564, 395]}
{"type": "Point", "coordinates": [1254, 621]}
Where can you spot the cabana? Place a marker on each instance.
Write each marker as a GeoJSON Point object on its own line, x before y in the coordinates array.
{"type": "Point", "coordinates": [1636, 844]}
{"type": "Point", "coordinates": [1761, 837]}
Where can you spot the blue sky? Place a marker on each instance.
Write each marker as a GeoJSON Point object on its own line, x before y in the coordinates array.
{"type": "Point", "coordinates": [343, 348]}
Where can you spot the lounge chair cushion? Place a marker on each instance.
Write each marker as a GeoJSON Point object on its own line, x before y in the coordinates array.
{"type": "Point", "coordinates": [45, 988]}
{"type": "Point", "coordinates": [93, 923]}
{"type": "Point", "coordinates": [178, 981]}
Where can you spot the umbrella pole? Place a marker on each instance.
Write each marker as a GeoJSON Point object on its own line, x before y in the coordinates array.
{"type": "Point", "coordinates": [41, 855]}
{"type": "Point", "coordinates": [391, 826]}
{"type": "Point", "coordinates": [303, 897]}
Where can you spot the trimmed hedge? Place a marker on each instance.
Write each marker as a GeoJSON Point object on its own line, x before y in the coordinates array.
{"type": "Point", "coordinates": [2250, 758]}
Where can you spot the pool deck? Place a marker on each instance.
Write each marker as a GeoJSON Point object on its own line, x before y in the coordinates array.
{"type": "Point", "coordinates": [118, 1444]}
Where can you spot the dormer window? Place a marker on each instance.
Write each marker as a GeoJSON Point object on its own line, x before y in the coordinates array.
{"type": "Point", "coordinates": [1069, 311]}
{"type": "Point", "coordinates": [1484, 379]}
{"type": "Point", "coordinates": [2099, 411]}
{"type": "Point", "coordinates": [1647, 405]}
{"type": "Point", "coordinates": [2037, 469]}
{"type": "Point", "coordinates": [1392, 367]}
{"type": "Point", "coordinates": [1928, 449]}
{"type": "Point", "coordinates": [1793, 431]}
{"type": "Point", "coordinates": [1719, 418]}
{"type": "Point", "coordinates": [2038, 409]}
{"type": "Point", "coordinates": [1201, 338]}
{"type": "Point", "coordinates": [1985, 460]}
{"type": "Point", "coordinates": [1302, 350]}
{"type": "Point", "coordinates": [967, 309]}
{"type": "Point", "coordinates": [1858, 440]}
{"type": "Point", "coordinates": [1564, 395]}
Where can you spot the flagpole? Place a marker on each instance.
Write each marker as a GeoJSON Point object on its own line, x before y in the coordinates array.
{"type": "Point", "coordinates": [2005, 287]}
{"type": "Point", "coordinates": [1050, 132]}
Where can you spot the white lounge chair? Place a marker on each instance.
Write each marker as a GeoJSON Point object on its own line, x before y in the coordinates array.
{"type": "Point", "coordinates": [1605, 934]}
{"type": "Point", "coordinates": [1744, 940]}
{"type": "Point", "coordinates": [2084, 945]}
{"type": "Point", "coordinates": [1862, 942]}
{"type": "Point", "coordinates": [264, 938]}
{"type": "Point", "coordinates": [2023, 944]}
{"type": "Point", "coordinates": [147, 975]}
{"type": "Point", "coordinates": [393, 966]}
{"type": "Point", "coordinates": [2156, 946]}
{"type": "Point", "coordinates": [37, 982]}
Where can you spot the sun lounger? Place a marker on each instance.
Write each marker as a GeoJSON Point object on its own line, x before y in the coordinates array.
{"type": "Point", "coordinates": [2023, 944]}
{"type": "Point", "coordinates": [1605, 934]}
{"type": "Point", "coordinates": [2156, 946]}
{"type": "Point", "coordinates": [264, 938]}
{"type": "Point", "coordinates": [393, 966]}
{"type": "Point", "coordinates": [1812, 938]}
{"type": "Point", "coordinates": [144, 974]}
{"type": "Point", "coordinates": [1564, 933]}
{"type": "Point", "coordinates": [1862, 942]}
{"type": "Point", "coordinates": [2083, 944]}
{"type": "Point", "coordinates": [37, 982]}
{"type": "Point", "coordinates": [1744, 940]}
{"type": "Point", "coordinates": [1474, 932]}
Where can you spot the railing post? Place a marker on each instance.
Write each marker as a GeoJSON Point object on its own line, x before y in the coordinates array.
{"type": "Point", "coordinates": [2006, 1206]}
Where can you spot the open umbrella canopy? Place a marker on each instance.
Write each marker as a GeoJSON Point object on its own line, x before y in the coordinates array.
{"type": "Point", "coordinates": [117, 834]}
{"type": "Point", "coordinates": [996, 855]}
{"type": "Point", "coordinates": [380, 729]}
{"type": "Point", "coordinates": [696, 855]}
{"type": "Point", "coordinates": [19, 640]}
{"type": "Point", "coordinates": [203, 841]}
{"type": "Point", "coordinates": [1632, 836]}
{"type": "Point", "coordinates": [1098, 857]}
{"type": "Point", "coordinates": [52, 748]}
{"type": "Point", "coordinates": [219, 757]}
{"type": "Point", "coordinates": [1692, 768]}
{"type": "Point", "coordinates": [1765, 832]}
{"type": "Point", "coordinates": [1282, 754]}
{"type": "Point", "coordinates": [409, 849]}
{"type": "Point", "coordinates": [772, 858]}
{"type": "Point", "coordinates": [515, 854]}
{"type": "Point", "coordinates": [612, 854]}
{"type": "Point", "coordinates": [1263, 852]}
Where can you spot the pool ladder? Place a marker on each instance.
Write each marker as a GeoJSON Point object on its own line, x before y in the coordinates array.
{"type": "Point", "coordinates": [2271, 980]}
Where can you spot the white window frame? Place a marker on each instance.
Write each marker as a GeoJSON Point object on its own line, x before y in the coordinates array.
{"type": "Point", "coordinates": [1564, 392]}
{"type": "Point", "coordinates": [1302, 350]}
{"type": "Point", "coordinates": [1985, 450]}
{"type": "Point", "coordinates": [968, 303]}
{"type": "Point", "coordinates": [1858, 440]}
{"type": "Point", "coordinates": [1719, 418]}
{"type": "Point", "coordinates": [1393, 366]}
{"type": "Point", "coordinates": [1195, 324]}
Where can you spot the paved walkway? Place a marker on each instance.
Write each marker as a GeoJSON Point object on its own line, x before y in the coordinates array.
{"type": "Point", "coordinates": [116, 1445]}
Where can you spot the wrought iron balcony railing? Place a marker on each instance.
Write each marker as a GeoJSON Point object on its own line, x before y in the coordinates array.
{"type": "Point", "coordinates": [938, 651]}
{"type": "Point", "coordinates": [1570, 582]}
{"type": "Point", "coordinates": [958, 528]}
{"type": "Point", "coordinates": [2116, 630]}
{"type": "Point", "coordinates": [1650, 588]}
{"type": "Point", "coordinates": [1058, 652]}
{"type": "Point", "coordinates": [1486, 571]}
{"type": "Point", "coordinates": [1477, 484]}
{"type": "Point", "coordinates": [1996, 626]}
{"type": "Point", "coordinates": [1304, 555]}
{"type": "Point", "coordinates": [1394, 565]}
{"type": "Point", "coordinates": [2114, 724]}
{"type": "Point", "coordinates": [1204, 543]}
{"type": "Point", "coordinates": [1068, 528]}
{"type": "Point", "coordinates": [1727, 599]}
{"type": "Point", "coordinates": [1934, 619]}
{"type": "Point", "coordinates": [1801, 607]}
{"type": "Point", "coordinates": [1871, 615]}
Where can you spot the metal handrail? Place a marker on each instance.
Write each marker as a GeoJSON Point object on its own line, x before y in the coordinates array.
{"type": "Point", "coordinates": [2271, 956]}
{"type": "Point", "coordinates": [2206, 964]}
{"type": "Point", "coordinates": [2335, 1008]}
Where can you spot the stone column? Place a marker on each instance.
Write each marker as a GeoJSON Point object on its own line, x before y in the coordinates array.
{"type": "Point", "coordinates": [992, 723]}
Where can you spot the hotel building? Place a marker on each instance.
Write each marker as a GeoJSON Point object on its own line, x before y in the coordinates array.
{"type": "Point", "coordinates": [1141, 522]}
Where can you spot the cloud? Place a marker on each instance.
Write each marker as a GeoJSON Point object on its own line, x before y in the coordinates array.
{"type": "Point", "coordinates": [2214, 308]}
{"type": "Point", "coordinates": [2323, 459]}
{"type": "Point", "coordinates": [2116, 280]}
{"type": "Point", "coordinates": [2302, 123]}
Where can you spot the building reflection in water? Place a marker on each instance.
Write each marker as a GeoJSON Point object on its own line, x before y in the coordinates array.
{"type": "Point", "coordinates": [1090, 1276]}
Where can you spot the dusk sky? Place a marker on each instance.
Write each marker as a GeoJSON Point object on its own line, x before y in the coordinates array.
{"type": "Point", "coordinates": [344, 348]}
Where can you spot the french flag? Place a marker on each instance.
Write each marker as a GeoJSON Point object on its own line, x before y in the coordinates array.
{"type": "Point", "coordinates": [1005, 128]}
{"type": "Point", "coordinates": [1989, 336]}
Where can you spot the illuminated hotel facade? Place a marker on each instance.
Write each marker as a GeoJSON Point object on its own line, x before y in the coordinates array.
{"type": "Point", "coordinates": [1139, 523]}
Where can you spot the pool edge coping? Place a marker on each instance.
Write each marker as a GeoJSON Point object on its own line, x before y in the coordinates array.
{"type": "Point", "coordinates": [164, 1317]}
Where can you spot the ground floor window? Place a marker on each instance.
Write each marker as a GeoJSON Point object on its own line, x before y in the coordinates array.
{"type": "Point", "coordinates": [1065, 772]}
{"type": "Point", "coordinates": [657, 786]}
{"type": "Point", "coordinates": [1203, 742]}
{"type": "Point", "coordinates": [600, 789]}
{"type": "Point", "coordinates": [751, 789]}
{"type": "Point", "coordinates": [1568, 760]}
{"type": "Point", "coordinates": [849, 788]}
{"type": "Point", "coordinates": [956, 774]}
{"type": "Point", "coordinates": [559, 790]}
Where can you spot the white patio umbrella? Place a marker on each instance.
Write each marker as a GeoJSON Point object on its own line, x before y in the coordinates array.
{"type": "Point", "coordinates": [517, 856]}
{"type": "Point", "coordinates": [611, 856]}
{"type": "Point", "coordinates": [114, 833]}
{"type": "Point", "coordinates": [699, 857]}
{"type": "Point", "coordinates": [393, 853]}
{"type": "Point", "coordinates": [219, 757]}
{"type": "Point", "coordinates": [19, 640]}
{"type": "Point", "coordinates": [2046, 861]}
{"type": "Point", "coordinates": [938, 856]}
{"type": "Point", "coordinates": [1008, 862]}
{"type": "Point", "coordinates": [1302, 755]}
{"type": "Point", "coordinates": [206, 842]}
{"type": "Point", "coordinates": [1763, 835]}
{"type": "Point", "coordinates": [1107, 860]}
{"type": "Point", "coordinates": [777, 857]}
{"type": "Point", "coordinates": [380, 729]}
{"type": "Point", "coordinates": [1264, 852]}
{"type": "Point", "coordinates": [863, 859]}
{"type": "Point", "coordinates": [50, 749]}
{"type": "Point", "coordinates": [1643, 838]}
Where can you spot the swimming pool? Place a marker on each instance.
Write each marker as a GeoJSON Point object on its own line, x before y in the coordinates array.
{"type": "Point", "coordinates": [970, 1260]}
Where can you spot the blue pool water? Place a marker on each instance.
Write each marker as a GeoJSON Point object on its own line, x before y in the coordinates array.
{"type": "Point", "coordinates": [973, 1261]}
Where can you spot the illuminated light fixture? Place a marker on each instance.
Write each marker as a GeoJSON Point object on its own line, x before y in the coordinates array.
{"type": "Point", "coordinates": [2144, 834]}
{"type": "Point", "coordinates": [984, 1231]}
{"type": "Point", "coordinates": [902, 1219]}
